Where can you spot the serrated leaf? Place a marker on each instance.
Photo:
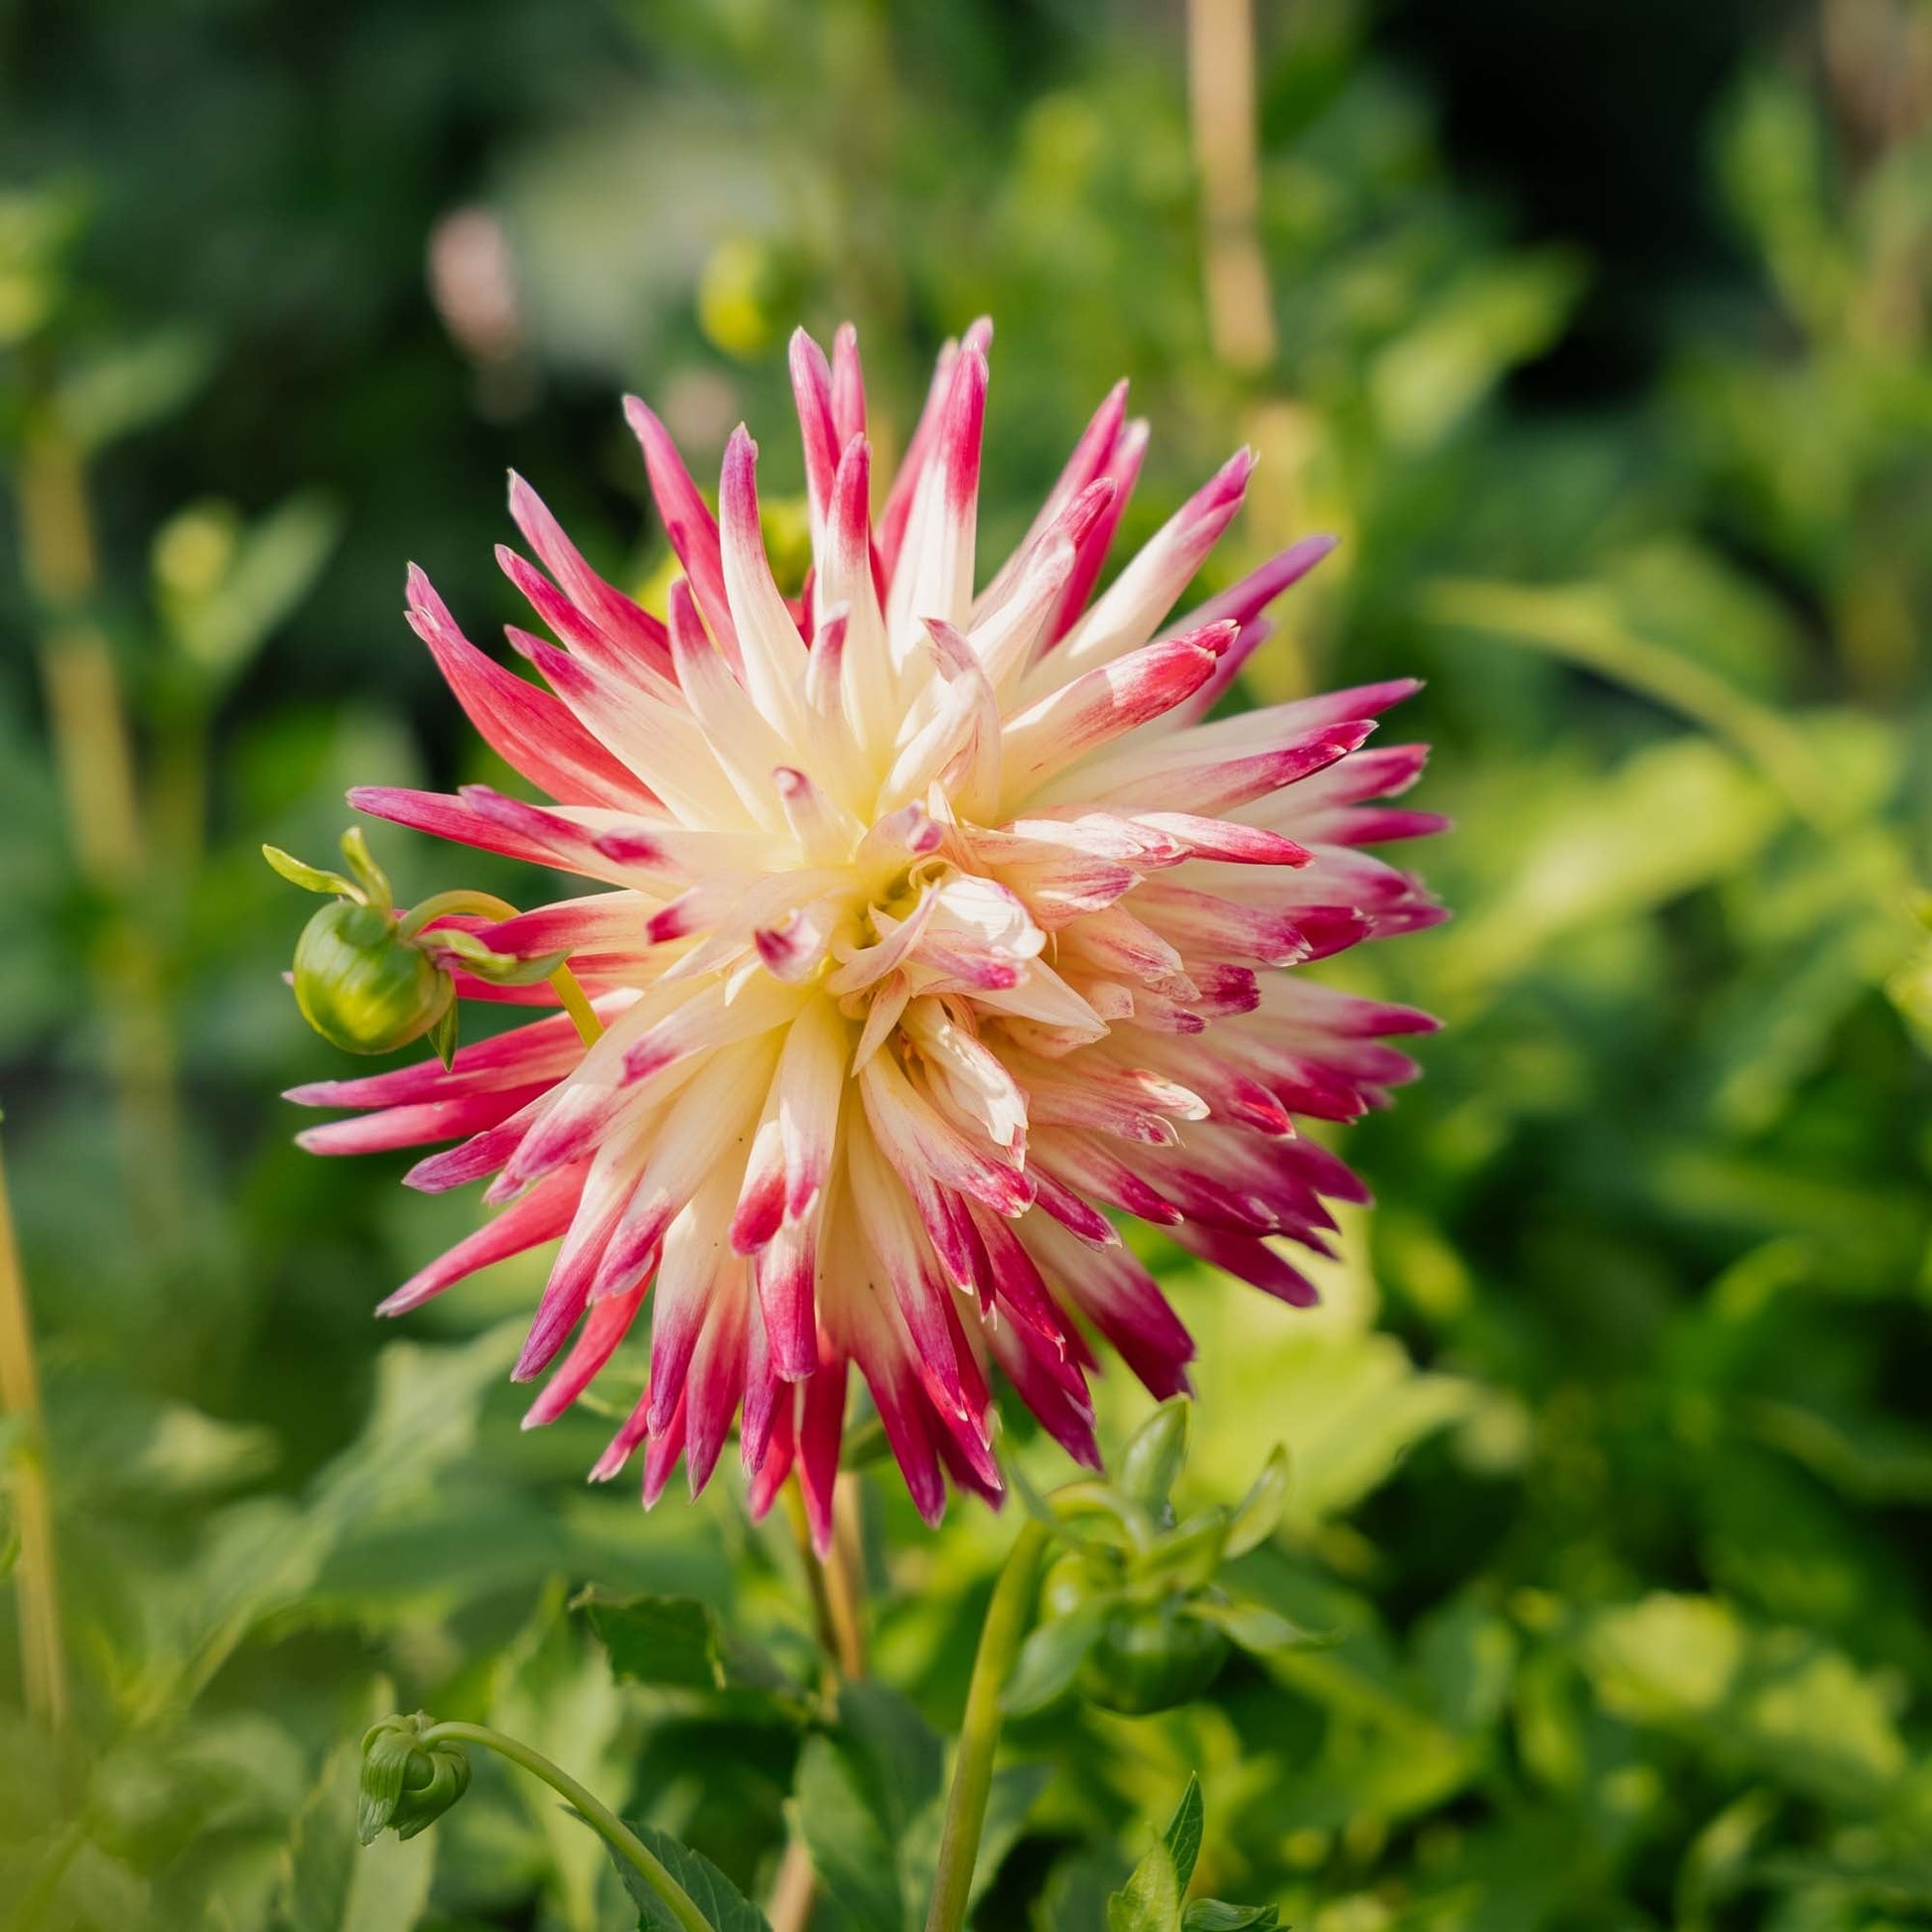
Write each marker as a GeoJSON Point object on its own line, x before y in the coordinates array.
{"type": "Point", "coordinates": [1150, 1901]}
{"type": "Point", "coordinates": [723, 1906]}
{"type": "Point", "coordinates": [670, 1642]}
{"type": "Point", "coordinates": [1053, 1654]}
{"type": "Point", "coordinates": [1183, 1833]}
{"type": "Point", "coordinates": [1259, 1512]}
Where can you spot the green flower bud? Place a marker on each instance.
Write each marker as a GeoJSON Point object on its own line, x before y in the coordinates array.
{"type": "Point", "coordinates": [407, 1783]}
{"type": "Point", "coordinates": [362, 986]}
{"type": "Point", "coordinates": [1151, 1657]}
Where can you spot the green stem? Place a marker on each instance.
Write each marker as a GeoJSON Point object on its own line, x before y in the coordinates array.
{"type": "Point", "coordinates": [487, 905]}
{"type": "Point", "coordinates": [1007, 1617]}
{"type": "Point", "coordinates": [43, 1663]}
{"type": "Point", "coordinates": [602, 1818]}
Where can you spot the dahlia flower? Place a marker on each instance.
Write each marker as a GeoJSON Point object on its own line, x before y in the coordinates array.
{"type": "Point", "coordinates": [934, 928]}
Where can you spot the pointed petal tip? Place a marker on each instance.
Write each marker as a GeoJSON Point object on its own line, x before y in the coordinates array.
{"type": "Point", "coordinates": [644, 421]}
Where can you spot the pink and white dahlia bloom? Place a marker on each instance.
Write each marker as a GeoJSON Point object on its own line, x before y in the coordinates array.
{"type": "Point", "coordinates": [933, 928]}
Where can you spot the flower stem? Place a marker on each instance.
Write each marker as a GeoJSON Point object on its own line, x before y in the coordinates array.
{"type": "Point", "coordinates": [845, 1589]}
{"type": "Point", "coordinates": [487, 905]}
{"type": "Point", "coordinates": [42, 1665]}
{"type": "Point", "coordinates": [599, 1815]}
{"type": "Point", "coordinates": [838, 1614]}
{"type": "Point", "coordinates": [93, 754]}
{"type": "Point", "coordinates": [1005, 1622]}
{"type": "Point", "coordinates": [1221, 89]}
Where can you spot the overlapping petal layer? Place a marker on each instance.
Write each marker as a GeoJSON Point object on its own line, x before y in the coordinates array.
{"type": "Point", "coordinates": [930, 930]}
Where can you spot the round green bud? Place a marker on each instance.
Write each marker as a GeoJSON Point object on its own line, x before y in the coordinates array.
{"type": "Point", "coordinates": [361, 986]}
{"type": "Point", "coordinates": [408, 1782]}
{"type": "Point", "coordinates": [1151, 1657]}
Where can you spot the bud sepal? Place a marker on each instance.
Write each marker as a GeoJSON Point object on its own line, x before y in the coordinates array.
{"type": "Point", "coordinates": [370, 981]}
{"type": "Point", "coordinates": [410, 1778]}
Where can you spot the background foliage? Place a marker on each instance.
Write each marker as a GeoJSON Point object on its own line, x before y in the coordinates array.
{"type": "Point", "coordinates": [1600, 335]}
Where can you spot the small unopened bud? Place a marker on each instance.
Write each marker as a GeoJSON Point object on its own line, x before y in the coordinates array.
{"type": "Point", "coordinates": [1151, 1657]}
{"type": "Point", "coordinates": [364, 982]}
{"type": "Point", "coordinates": [362, 986]}
{"type": "Point", "coordinates": [408, 1781]}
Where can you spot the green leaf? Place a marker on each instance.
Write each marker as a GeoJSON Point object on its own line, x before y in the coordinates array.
{"type": "Point", "coordinates": [131, 385]}
{"type": "Point", "coordinates": [860, 1793]}
{"type": "Point", "coordinates": [1216, 1915]}
{"type": "Point", "coordinates": [259, 578]}
{"type": "Point", "coordinates": [1253, 1627]}
{"type": "Point", "coordinates": [311, 878]}
{"type": "Point", "coordinates": [852, 1848]}
{"type": "Point", "coordinates": [667, 1642]}
{"type": "Point", "coordinates": [1150, 1901]}
{"type": "Point", "coordinates": [1154, 1455]}
{"type": "Point", "coordinates": [1052, 1656]}
{"type": "Point", "coordinates": [725, 1907]}
{"type": "Point", "coordinates": [1184, 1832]}
{"type": "Point", "coordinates": [1775, 1699]}
{"type": "Point", "coordinates": [263, 1555]}
{"type": "Point", "coordinates": [1259, 1513]}
{"type": "Point", "coordinates": [1452, 355]}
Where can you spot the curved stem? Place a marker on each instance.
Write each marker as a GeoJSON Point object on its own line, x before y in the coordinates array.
{"type": "Point", "coordinates": [603, 1820]}
{"type": "Point", "coordinates": [1005, 1622]}
{"type": "Point", "coordinates": [487, 905]}
{"type": "Point", "coordinates": [43, 1663]}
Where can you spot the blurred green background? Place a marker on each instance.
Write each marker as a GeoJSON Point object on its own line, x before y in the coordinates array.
{"type": "Point", "coordinates": [1598, 331]}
